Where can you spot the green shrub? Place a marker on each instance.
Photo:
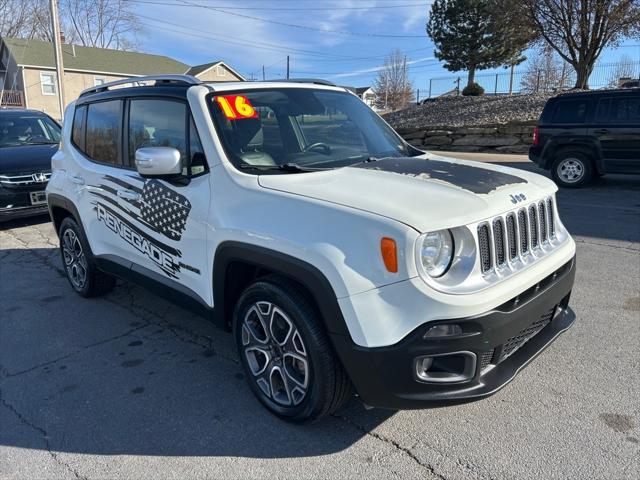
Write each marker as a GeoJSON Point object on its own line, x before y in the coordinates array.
{"type": "Point", "coordinates": [473, 90]}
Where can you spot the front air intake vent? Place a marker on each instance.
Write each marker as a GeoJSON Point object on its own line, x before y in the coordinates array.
{"type": "Point", "coordinates": [552, 230]}
{"type": "Point", "coordinates": [523, 231]}
{"type": "Point", "coordinates": [543, 221]}
{"type": "Point", "coordinates": [533, 225]}
{"type": "Point", "coordinates": [484, 247]}
{"type": "Point", "coordinates": [498, 240]}
{"type": "Point", "coordinates": [511, 236]}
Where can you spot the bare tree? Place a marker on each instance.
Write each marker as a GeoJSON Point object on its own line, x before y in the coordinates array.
{"type": "Point", "coordinates": [578, 30]}
{"type": "Point", "coordinates": [546, 72]}
{"type": "Point", "coordinates": [92, 23]}
{"type": "Point", "coordinates": [24, 19]}
{"type": "Point", "coordinates": [626, 68]}
{"type": "Point", "coordinates": [392, 86]}
{"type": "Point", "coordinates": [102, 23]}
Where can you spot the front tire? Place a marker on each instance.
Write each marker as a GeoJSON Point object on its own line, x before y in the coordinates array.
{"type": "Point", "coordinates": [572, 170]}
{"type": "Point", "coordinates": [83, 275]}
{"type": "Point", "coordinates": [286, 355]}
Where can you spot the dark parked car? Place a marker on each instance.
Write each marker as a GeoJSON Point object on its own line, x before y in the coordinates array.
{"type": "Point", "coordinates": [28, 139]}
{"type": "Point", "coordinates": [584, 134]}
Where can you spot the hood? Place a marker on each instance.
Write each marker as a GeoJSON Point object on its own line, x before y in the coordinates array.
{"type": "Point", "coordinates": [427, 192]}
{"type": "Point", "coordinates": [26, 159]}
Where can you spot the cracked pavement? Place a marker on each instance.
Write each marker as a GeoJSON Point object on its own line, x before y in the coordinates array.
{"type": "Point", "coordinates": [131, 386]}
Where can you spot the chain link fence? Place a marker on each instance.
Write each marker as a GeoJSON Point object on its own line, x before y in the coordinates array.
{"type": "Point", "coordinates": [532, 80]}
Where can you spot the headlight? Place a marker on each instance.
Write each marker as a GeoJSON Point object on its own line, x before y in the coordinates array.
{"type": "Point", "coordinates": [436, 252]}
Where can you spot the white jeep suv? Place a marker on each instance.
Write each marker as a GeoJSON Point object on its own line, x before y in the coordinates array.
{"type": "Point", "coordinates": [342, 258]}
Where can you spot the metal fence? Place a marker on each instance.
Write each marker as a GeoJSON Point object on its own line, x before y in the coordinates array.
{"type": "Point", "coordinates": [531, 80]}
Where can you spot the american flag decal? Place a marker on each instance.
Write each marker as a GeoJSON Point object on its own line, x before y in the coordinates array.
{"type": "Point", "coordinates": [163, 209]}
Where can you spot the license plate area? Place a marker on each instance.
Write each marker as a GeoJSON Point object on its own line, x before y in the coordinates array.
{"type": "Point", "coordinates": [38, 198]}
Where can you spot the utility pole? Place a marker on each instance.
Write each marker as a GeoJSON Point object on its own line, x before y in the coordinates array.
{"type": "Point", "coordinates": [57, 47]}
{"type": "Point", "coordinates": [287, 67]}
{"type": "Point", "coordinates": [263, 73]}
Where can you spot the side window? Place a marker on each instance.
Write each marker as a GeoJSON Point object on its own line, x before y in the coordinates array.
{"type": "Point", "coordinates": [633, 110]}
{"type": "Point", "coordinates": [602, 110]}
{"type": "Point", "coordinates": [618, 112]}
{"type": "Point", "coordinates": [103, 131]}
{"type": "Point", "coordinates": [157, 123]}
{"type": "Point", "coordinates": [570, 111]}
{"type": "Point", "coordinates": [77, 131]}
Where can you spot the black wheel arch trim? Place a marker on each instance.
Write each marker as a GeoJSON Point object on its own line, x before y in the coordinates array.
{"type": "Point", "coordinates": [288, 266]}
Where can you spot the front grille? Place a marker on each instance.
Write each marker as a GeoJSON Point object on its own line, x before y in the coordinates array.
{"type": "Point", "coordinates": [511, 236]}
{"type": "Point", "coordinates": [39, 178]}
{"type": "Point", "coordinates": [485, 359]}
{"type": "Point", "coordinates": [516, 233]}
{"type": "Point", "coordinates": [524, 231]}
{"type": "Point", "coordinates": [484, 248]}
{"type": "Point", "coordinates": [552, 230]}
{"type": "Point", "coordinates": [516, 342]}
{"type": "Point", "coordinates": [543, 221]}
{"type": "Point", "coordinates": [533, 226]}
{"type": "Point", "coordinates": [498, 240]}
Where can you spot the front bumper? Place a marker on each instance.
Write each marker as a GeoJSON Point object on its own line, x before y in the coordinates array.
{"type": "Point", "coordinates": [16, 203]}
{"type": "Point", "coordinates": [520, 328]}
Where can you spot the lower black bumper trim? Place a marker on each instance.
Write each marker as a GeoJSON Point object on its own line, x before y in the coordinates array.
{"type": "Point", "coordinates": [384, 377]}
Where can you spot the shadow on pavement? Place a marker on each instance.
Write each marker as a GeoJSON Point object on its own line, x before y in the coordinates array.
{"type": "Point", "coordinates": [131, 374]}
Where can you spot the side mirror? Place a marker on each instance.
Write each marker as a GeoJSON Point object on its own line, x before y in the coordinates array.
{"type": "Point", "coordinates": [158, 162]}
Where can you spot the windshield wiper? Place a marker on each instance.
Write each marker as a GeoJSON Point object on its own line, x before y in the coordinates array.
{"type": "Point", "coordinates": [285, 167]}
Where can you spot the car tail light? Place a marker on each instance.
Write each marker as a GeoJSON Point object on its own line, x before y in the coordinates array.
{"type": "Point", "coordinates": [536, 136]}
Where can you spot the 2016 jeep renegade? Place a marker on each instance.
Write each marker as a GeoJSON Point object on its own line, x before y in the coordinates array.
{"type": "Point", "coordinates": [341, 257]}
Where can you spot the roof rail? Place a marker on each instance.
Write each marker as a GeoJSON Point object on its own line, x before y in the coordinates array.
{"type": "Point", "coordinates": [159, 79]}
{"type": "Point", "coordinates": [318, 81]}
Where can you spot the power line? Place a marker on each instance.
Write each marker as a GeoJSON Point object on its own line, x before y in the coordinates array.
{"type": "Point", "coordinates": [405, 5]}
{"type": "Point", "coordinates": [304, 27]}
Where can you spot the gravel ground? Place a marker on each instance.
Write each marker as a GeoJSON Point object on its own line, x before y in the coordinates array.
{"type": "Point", "coordinates": [469, 111]}
{"type": "Point", "coordinates": [130, 386]}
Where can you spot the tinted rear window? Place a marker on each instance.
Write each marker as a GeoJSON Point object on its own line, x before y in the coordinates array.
{"type": "Point", "coordinates": [570, 111]}
{"type": "Point", "coordinates": [619, 110]}
{"type": "Point", "coordinates": [103, 131]}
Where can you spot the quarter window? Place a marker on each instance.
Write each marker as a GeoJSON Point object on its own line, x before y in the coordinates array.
{"type": "Point", "coordinates": [570, 111]}
{"type": "Point", "coordinates": [48, 83]}
{"type": "Point", "coordinates": [103, 131]}
{"type": "Point", "coordinates": [77, 131]}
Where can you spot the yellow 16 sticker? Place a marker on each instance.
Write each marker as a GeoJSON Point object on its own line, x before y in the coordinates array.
{"type": "Point", "coordinates": [236, 107]}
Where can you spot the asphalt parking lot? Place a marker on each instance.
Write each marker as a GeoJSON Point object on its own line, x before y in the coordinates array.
{"type": "Point", "coordinates": [130, 386]}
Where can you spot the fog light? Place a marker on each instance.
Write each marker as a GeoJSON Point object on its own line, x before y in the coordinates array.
{"type": "Point", "coordinates": [454, 367]}
{"type": "Point", "coordinates": [443, 330]}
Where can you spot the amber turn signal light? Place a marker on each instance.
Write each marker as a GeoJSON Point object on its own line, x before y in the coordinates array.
{"type": "Point", "coordinates": [389, 254]}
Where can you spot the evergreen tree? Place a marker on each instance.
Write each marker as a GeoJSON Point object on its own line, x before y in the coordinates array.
{"type": "Point", "coordinates": [477, 34]}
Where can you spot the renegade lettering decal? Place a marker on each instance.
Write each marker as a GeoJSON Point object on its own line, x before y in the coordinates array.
{"type": "Point", "coordinates": [474, 179]}
{"type": "Point", "coordinates": [136, 239]}
{"type": "Point", "coordinates": [236, 107]}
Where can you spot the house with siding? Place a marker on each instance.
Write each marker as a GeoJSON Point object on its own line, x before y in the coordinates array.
{"type": "Point", "coordinates": [28, 76]}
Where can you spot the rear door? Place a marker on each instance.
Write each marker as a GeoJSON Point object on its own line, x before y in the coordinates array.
{"type": "Point", "coordinates": [616, 126]}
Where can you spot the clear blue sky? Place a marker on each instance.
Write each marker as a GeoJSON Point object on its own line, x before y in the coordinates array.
{"type": "Point", "coordinates": [342, 40]}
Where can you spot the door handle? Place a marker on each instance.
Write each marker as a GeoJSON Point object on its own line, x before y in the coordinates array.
{"type": "Point", "coordinates": [602, 131]}
{"type": "Point", "coordinates": [129, 195]}
{"type": "Point", "coordinates": [76, 179]}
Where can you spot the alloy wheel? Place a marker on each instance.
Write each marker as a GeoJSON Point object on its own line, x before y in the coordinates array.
{"type": "Point", "coordinates": [571, 170]}
{"type": "Point", "coordinates": [276, 354]}
{"type": "Point", "coordinates": [75, 260]}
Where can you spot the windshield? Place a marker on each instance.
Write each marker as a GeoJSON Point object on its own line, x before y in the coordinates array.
{"type": "Point", "coordinates": [27, 129]}
{"type": "Point", "coordinates": [309, 129]}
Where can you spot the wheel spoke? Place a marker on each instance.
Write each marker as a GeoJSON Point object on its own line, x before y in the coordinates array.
{"type": "Point", "coordinates": [255, 330]}
{"type": "Point", "coordinates": [280, 326]}
{"type": "Point", "coordinates": [296, 368]}
{"type": "Point", "coordinates": [279, 386]}
{"type": "Point", "coordinates": [258, 359]}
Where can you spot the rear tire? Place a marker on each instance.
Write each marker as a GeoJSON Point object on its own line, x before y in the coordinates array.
{"type": "Point", "coordinates": [83, 275]}
{"type": "Point", "coordinates": [572, 169]}
{"type": "Point", "coordinates": [287, 357]}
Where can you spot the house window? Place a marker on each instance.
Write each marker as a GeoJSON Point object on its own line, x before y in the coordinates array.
{"type": "Point", "coordinates": [48, 83]}
{"type": "Point", "coordinates": [220, 71]}
{"type": "Point", "coordinates": [97, 81]}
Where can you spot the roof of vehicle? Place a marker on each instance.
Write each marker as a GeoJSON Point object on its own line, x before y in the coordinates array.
{"type": "Point", "coordinates": [21, 111]}
{"type": "Point", "coordinates": [615, 91]}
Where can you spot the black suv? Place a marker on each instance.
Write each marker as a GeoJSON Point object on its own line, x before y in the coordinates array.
{"type": "Point", "coordinates": [28, 139]}
{"type": "Point", "coordinates": [583, 134]}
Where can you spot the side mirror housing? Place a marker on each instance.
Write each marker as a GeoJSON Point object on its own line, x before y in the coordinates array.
{"type": "Point", "coordinates": [158, 162]}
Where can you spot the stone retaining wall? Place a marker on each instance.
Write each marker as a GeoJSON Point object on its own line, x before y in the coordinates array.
{"type": "Point", "coordinates": [509, 138]}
